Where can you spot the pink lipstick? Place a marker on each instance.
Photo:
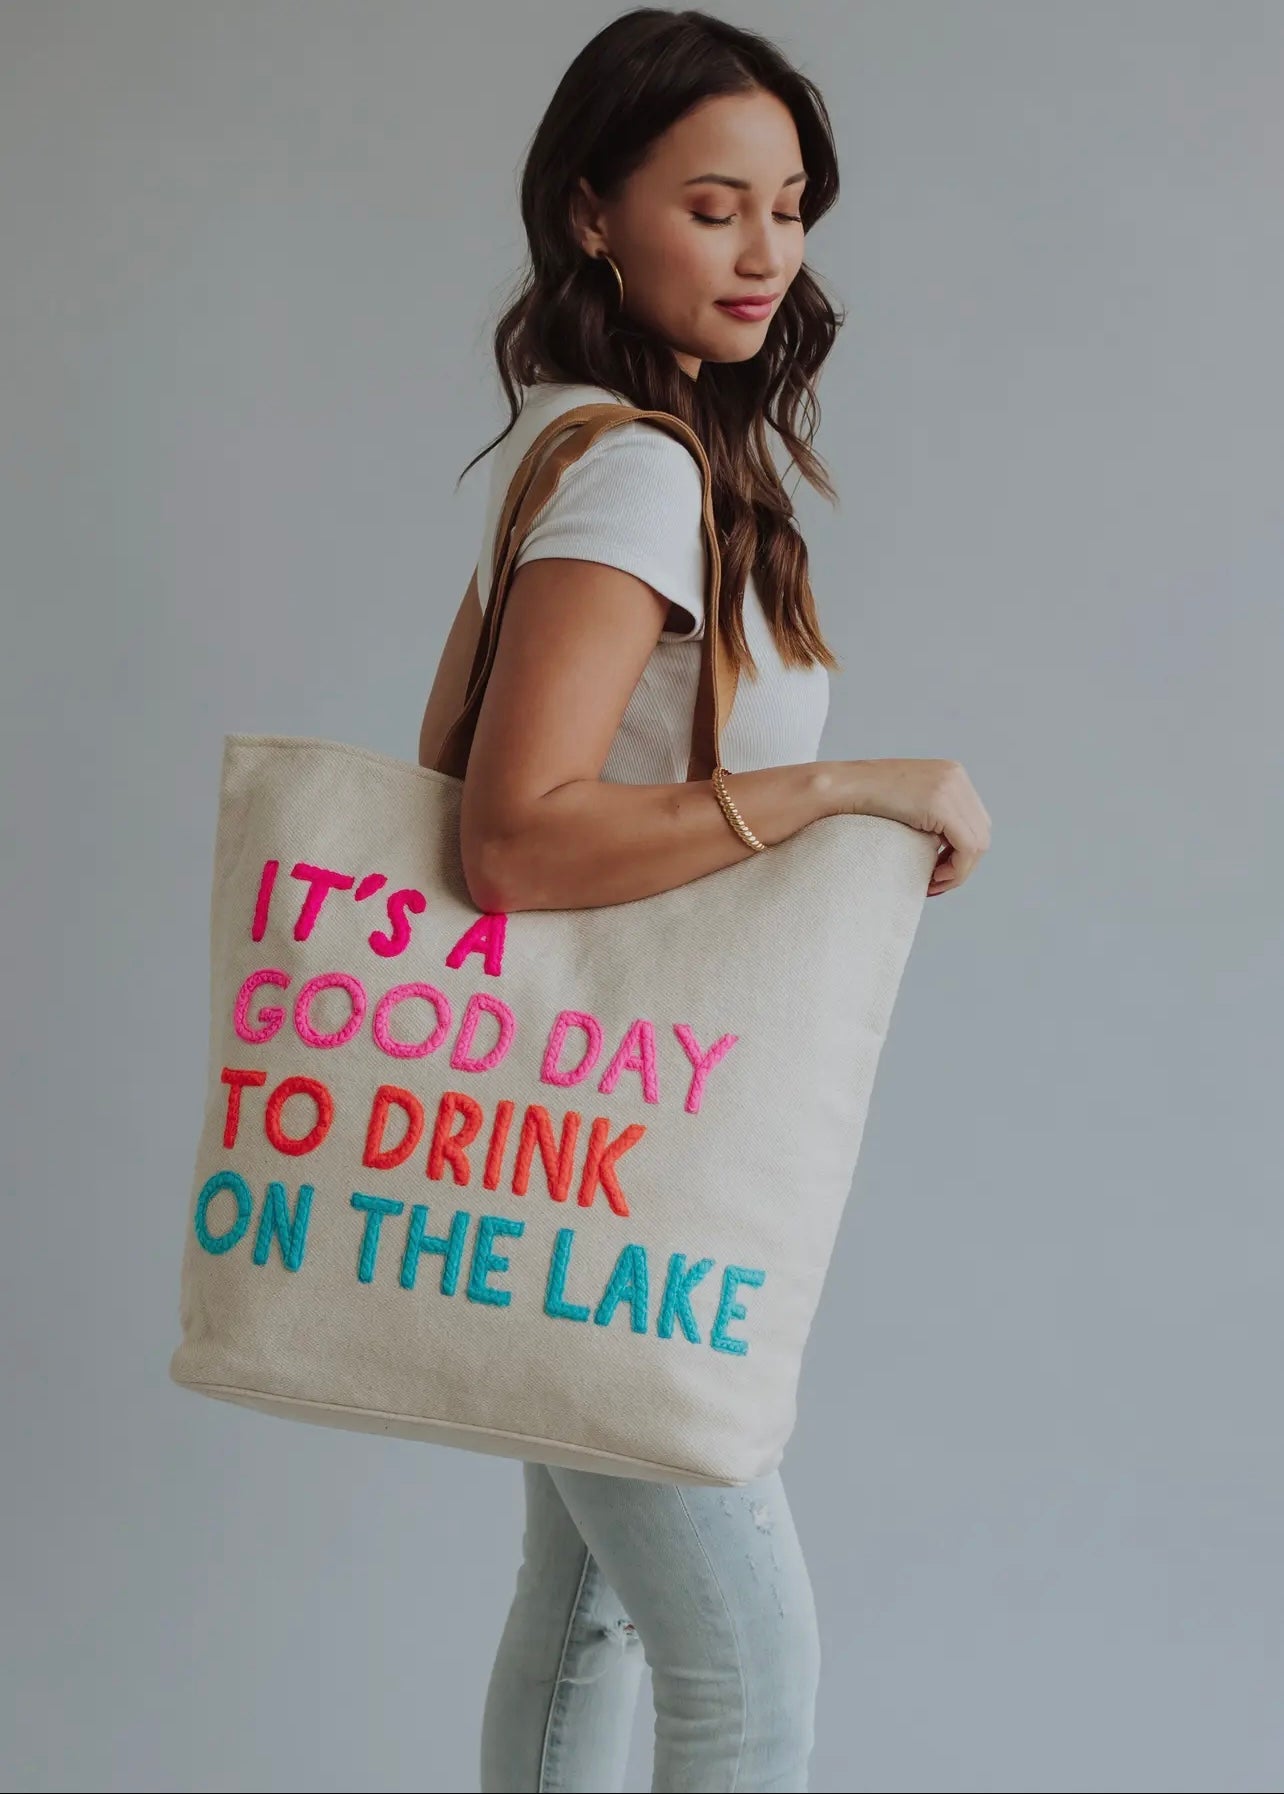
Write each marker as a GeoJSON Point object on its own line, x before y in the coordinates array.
{"type": "Point", "coordinates": [751, 311]}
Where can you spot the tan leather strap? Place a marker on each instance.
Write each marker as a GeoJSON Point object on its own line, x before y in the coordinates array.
{"type": "Point", "coordinates": [531, 486]}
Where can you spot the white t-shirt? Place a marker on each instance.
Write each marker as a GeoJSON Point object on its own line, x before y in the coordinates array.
{"type": "Point", "coordinates": [634, 500]}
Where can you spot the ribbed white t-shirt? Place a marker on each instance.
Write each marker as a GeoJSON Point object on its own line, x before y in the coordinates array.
{"type": "Point", "coordinates": [634, 500]}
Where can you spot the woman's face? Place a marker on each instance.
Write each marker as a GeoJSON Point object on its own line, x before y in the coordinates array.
{"type": "Point", "coordinates": [676, 266]}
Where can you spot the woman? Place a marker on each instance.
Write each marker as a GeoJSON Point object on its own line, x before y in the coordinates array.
{"type": "Point", "coordinates": [673, 177]}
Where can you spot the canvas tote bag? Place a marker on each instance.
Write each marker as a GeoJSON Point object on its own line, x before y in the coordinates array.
{"type": "Point", "coordinates": [558, 1185]}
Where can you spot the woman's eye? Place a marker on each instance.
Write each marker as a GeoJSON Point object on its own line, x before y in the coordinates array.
{"type": "Point", "coordinates": [790, 217]}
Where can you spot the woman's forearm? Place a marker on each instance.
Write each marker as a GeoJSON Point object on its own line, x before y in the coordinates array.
{"type": "Point", "coordinates": [593, 842]}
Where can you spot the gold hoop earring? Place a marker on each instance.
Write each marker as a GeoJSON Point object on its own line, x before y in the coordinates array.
{"type": "Point", "coordinates": [619, 278]}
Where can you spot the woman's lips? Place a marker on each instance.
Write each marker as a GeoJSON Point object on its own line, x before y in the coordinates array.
{"type": "Point", "coordinates": [751, 313]}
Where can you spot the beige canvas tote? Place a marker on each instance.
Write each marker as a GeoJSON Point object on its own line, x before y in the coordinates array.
{"type": "Point", "coordinates": [557, 1185]}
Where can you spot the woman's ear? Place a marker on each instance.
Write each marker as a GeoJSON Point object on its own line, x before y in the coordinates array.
{"type": "Point", "coordinates": [586, 219]}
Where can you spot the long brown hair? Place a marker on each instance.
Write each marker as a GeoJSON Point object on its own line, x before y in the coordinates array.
{"type": "Point", "coordinates": [628, 84]}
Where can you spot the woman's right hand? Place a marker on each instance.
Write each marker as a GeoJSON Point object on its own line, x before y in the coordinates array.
{"type": "Point", "coordinates": [936, 796]}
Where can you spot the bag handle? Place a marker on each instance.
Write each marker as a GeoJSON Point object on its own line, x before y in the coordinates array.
{"type": "Point", "coordinates": [530, 488]}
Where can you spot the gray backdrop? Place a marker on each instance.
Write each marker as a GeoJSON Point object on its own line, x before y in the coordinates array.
{"type": "Point", "coordinates": [252, 254]}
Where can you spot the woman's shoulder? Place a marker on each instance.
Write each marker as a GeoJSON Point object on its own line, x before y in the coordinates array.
{"type": "Point", "coordinates": [546, 400]}
{"type": "Point", "coordinates": [640, 459]}
{"type": "Point", "coordinates": [633, 499]}
{"type": "Point", "coordinates": [549, 399]}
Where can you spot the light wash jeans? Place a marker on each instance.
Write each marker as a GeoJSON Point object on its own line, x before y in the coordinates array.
{"type": "Point", "coordinates": [708, 1584]}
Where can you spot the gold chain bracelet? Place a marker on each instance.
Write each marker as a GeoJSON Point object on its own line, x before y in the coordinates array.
{"type": "Point", "coordinates": [732, 814]}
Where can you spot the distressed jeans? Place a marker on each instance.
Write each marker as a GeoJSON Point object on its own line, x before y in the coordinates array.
{"type": "Point", "coordinates": [707, 1585]}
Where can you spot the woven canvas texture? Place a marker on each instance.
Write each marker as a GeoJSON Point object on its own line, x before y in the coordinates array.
{"type": "Point", "coordinates": [562, 1185]}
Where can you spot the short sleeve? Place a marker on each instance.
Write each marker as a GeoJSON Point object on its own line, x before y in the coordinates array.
{"type": "Point", "coordinates": [634, 500]}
